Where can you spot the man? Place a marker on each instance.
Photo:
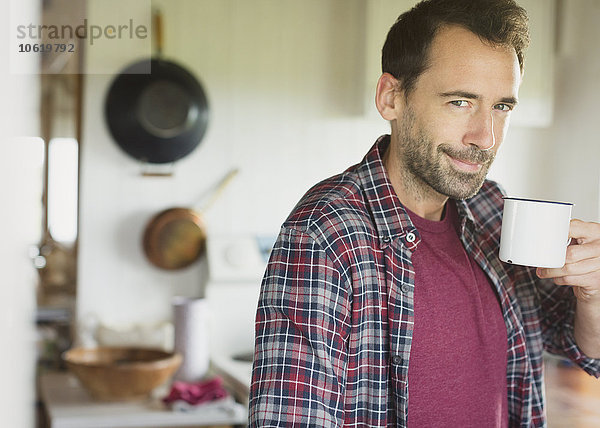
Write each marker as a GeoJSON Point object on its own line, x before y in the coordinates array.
{"type": "Point", "coordinates": [384, 302]}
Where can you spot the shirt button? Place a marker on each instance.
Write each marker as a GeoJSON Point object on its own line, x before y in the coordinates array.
{"type": "Point", "coordinates": [397, 360]}
{"type": "Point", "coordinates": [410, 237]}
{"type": "Point", "coordinates": [405, 288]}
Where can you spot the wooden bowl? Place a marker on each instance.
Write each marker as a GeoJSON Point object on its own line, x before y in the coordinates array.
{"type": "Point", "coordinates": [121, 374]}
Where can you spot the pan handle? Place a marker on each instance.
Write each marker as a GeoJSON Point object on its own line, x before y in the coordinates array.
{"type": "Point", "coordinates": [218, 189]}
{"type": "Point", "coordinates": [158, 30]}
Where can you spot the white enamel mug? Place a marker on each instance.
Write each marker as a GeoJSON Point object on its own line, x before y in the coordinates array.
{"type": "Point", "coordinates": [535, 232]}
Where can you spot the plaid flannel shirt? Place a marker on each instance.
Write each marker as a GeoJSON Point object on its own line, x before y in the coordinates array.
{"type": "Point", "coordinates": [335, 315]}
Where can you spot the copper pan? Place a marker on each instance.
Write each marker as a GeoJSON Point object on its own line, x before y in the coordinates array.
{"type": "Point", "coordinates": [176, 237]}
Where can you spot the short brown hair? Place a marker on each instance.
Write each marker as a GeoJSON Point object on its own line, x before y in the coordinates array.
{"type": "Point", "coordinates": [406, 50]}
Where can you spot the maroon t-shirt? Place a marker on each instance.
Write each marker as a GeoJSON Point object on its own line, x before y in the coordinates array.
{"type": "Point", "coordinates": [457, 369]}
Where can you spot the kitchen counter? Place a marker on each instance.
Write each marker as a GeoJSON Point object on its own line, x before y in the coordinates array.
{"type": "Point", "coordinates": [236, 374]}
{"type": "Point", "coordinates": [573, 400]}
{"type": "Point", "coordinates": [68, 405]}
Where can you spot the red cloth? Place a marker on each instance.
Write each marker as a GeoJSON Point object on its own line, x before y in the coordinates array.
{"type": "Point", "coordinates": [457, 370]}
{"type": "Point", "coordinates": [198, 392]}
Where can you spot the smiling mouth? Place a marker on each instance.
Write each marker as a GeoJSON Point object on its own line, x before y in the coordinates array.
{"type": "Point", "coordinates": [465, 165]}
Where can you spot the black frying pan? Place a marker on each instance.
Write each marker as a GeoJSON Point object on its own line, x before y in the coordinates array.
{"type": "Point", "coordinates": [156, 110]}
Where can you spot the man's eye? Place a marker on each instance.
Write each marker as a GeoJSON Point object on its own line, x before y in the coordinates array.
{"type": "Point", "coordinates": [503, 107]}
{"type": "Point", "coordinates": [459, 103]}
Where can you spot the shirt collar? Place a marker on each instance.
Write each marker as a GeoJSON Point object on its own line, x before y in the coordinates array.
{"type": "Point", "coordinates": [390, 216]}
{"type": "Point", "coordinates": [466, 216]}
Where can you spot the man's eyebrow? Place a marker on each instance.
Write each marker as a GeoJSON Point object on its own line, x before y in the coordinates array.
{"type": "Point", "coordinates": [459, 94]}
{"type": "Point", "coordinates": [509, 100]}
{"type": "Point", "coordinates": [472, 96]}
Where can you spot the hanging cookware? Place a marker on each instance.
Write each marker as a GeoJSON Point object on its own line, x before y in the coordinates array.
{"type": "Point", "coordinates": [156, 110]}
{"type": "Point", "coordinates": [176, 237]}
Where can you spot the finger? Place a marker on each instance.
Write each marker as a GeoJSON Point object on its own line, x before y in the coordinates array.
{"type": "Point", "coordinates": [579, 268]}
{"type": "Point", "coordinates": [589, 281]}
{"type": "Point", "coordinates": [580, 252]}
{"type": "Point", "coordinates": [561, 280]}
{"type": "Point", "coordinates": [584, 231]}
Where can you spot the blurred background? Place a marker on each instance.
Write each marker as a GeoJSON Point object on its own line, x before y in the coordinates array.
{"type": "Point", "coordinates": [289, 89]}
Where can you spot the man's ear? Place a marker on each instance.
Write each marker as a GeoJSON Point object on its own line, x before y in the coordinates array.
{"type": "Point", "coordinates": [385, 96]}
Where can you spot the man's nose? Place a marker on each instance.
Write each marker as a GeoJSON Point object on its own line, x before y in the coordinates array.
{"type": "Point", "coordinates": [481, 131]}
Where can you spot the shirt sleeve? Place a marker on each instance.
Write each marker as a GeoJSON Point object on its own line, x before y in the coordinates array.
{"type": "Point", "coordinates": [301, 329]}
{"type": "Point", "coordinates": [558, 309]}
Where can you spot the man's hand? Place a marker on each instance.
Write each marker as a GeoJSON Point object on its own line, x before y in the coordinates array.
{"type": "Point", "coordinates": [582, 271]}
{"type": "Point", "coordinates": [582, 265]}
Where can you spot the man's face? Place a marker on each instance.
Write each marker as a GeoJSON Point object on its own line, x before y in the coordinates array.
{"type": "Point", "coordinates": [450, 126]}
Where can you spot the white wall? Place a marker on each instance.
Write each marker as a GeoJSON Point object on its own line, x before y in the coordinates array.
{"type": "Point", "coordinates": [562, 161]}
{"type": "Point", "coordinates": [20, 174]}
{"type": "Point", "coordinates": [574, 137]}
{"type": "Point", "coordinates": [278, 76]}
{"type": "Point", "coordinates": [284, 84]}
